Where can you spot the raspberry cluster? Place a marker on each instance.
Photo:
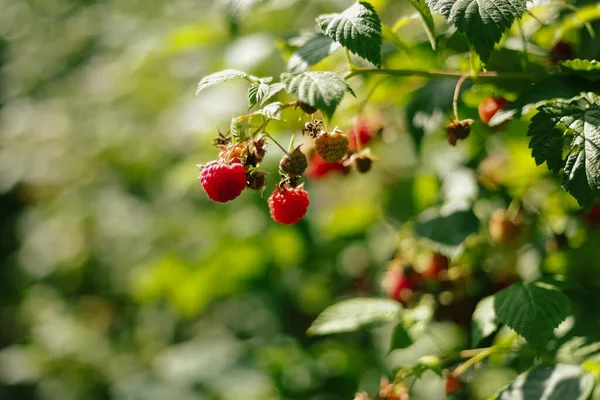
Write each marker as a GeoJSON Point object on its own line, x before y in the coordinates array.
{"type": "Point", "coordinates": [238, 162]}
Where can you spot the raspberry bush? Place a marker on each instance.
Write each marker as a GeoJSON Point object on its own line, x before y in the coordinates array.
{"type": "Point", "coordinates": [356, 229]}
{"type": "Point", "coordinates": [486, 73]}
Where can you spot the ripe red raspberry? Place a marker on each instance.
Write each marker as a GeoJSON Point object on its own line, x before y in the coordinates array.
{"type": "Point", "coordinates": [361, 133]}
{"type": "Point", "coordinates": [437, 264]}
{"type": "Point", "coordinates": [288, 205]}
{"type": "Point", "coordinates": [318, 168]}
{"type": "Point", "coordinates": [293, 163]}
{"type": "Point", "coordinates": [223, 182]}
{"type": "Point", "coordinates": [452, 384]}
{"type": "Point", "coordinates": [490, 106]}
{"type": "Point", "coordinates": [332, 146]}
{"type": "Point", "coordinates": [400, 283]}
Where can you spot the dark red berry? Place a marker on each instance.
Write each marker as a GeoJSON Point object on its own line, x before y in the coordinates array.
{"type": "Point", "coordinates": [437, 264]}
{"type": "Point", "coordinates": [490, 106]}
{"type": "Point", "coordinates": [561, 51]}
{"type": "Point", "coordinates": [592, 217]}
{"type": "Point", "coordinates": [400, 283]}
{"type": "Point", "coordinates": [288, 205]}
{"type": "Point", "coordinates": [223, 182]}
{"type": "Point", "coordinates": [362, 133]}
{"type": "Point", "coordinates": [458, 130]}
{"type": "Point", "coordinates": [319, 168]}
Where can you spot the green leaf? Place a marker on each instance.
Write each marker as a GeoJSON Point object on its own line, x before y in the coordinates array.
{"type": "Point", "coordinates": [550, 382]}
{"type": "Point", "coordinates": [220, 77]}
{"type": "Point", "coordinates": [358, 29]}
{"type": "Point", "coordinates": [400, 338]}
{"type": "Point", "coordinates": [315, 49]}
{"type": "Point", "coordinates": [272, 111]}
{"type": "Point", "coordinates": [546, 142]}
{"type": "Point", "coordinates": [581, 169]}
{"type": "Point", "coordinates": [484, 320]}
{"type": "Point", "coordinates": [577, 350]}
{"type": "Point", "coordinates": [350, 315]}
{"type": "Point", "coordinates": [260, 92]}
{"type": "Point", "coordinates": [533, 310]}
{"type": "Point", "coordinates": [426, 18]}
{"type": "Point", "coordinates": [589, 69]}
{"type": "Point", "coordinates": [447, 229]}
{"type": "Point", "coordinates": [540, 93]}
{"type": "Point", "coordinates": [323, 90]}
{"type": "Point", "coordinates": [482, 21]}
{"type": "Point", "coordinates": [238, 129]}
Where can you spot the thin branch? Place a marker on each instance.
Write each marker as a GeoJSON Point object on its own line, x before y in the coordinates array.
{"type": "Point", "coordinates": [438, 73]}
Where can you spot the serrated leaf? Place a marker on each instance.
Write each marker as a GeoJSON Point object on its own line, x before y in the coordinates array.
{"type": "Point", "coordinates": [447, 229]}
{"type": "Point", "coordinates": [400, 338]}
{"type": "Point", "coordinates": [323, 90]}
{"type": "Point", "coordinates": [482, 21]}
{"type": "Point", "coordinates": [581, 169]}
{"type": "Point", "coordinates": [272, 111]}
{"type": "Point", "coordinates": [260, 93]}
{"type": "Point", "coordinates": [220, 77]}
{"type": "Point", "coordinates": [549, 382]}
{"type": "Point", "coordinates": [238, 129]}
{"type": "Point", "coordinates": [315, 49]}
{"type": "Point", "coordinates": [256, 92]}
{"type": "Point", "coordinates": [358, 29]}
{"type": "Point", "coordinates": [546, 142]}
{"type": "Point", "coordinates": [533, 310]}
{"type": "Point", "coordinates": [577, 350]}
{"type": "Point", "coordinates": [589, 69]}
{"type": "Point", "coordinates": [484, 320]}
{"type": "Point", "coordinates": [538, 94]}
{"type": "Point", "coordinates": [427, 20]}
{"type": "Point", "coordinates": [350, 315]}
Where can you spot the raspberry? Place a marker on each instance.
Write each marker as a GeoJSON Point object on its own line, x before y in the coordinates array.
{"type": "Point", "coordinates": [256, 180]}
{"type": "Point", "coordinates": [294, 163]}
{"type": "Point", "coordinates": [561, 51]}
{"type": "Point", "coordinates": [332, 146]}
{"type": "Point", "coordinates": [458, 130]}
{"type": "Point", "coordinates": [223, 182]}
{"type": "Point", "coordinates": [362, 134]}
{"type": "Point", "coordinates": [592, 217]}
{"type": "Point", "coordinates": [288, 205]}
{"type": "Point", "coordinates": [437, 264]}
{"type": "Point", "coordinates": [361, 161]}
{"type": "Point", "coordinates": [318, 168]}
{"type": "Point", "coordinates": [490, 106]}
{"type": "Point", "coordinates": [504, 230]}
{"type": "Point", "coordinates": [400, 283]}
{"type": "Point", "coordinates": [452, 384]}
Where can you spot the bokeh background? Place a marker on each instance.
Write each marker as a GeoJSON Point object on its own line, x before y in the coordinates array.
{"type": "Point", "coordinates": [120, 279]}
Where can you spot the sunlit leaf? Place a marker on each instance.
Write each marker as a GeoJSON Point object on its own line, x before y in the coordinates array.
{"type": "Point", "coordinates": [350, 315]}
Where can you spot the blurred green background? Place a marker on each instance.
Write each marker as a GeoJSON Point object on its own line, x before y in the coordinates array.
{"type": "Point", "coordinates": [120, 279]}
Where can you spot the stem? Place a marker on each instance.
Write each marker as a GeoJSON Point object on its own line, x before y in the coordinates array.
{"type": "Point", "coordinates": [438, 73]}
{"type": "Point", "coordinates": [456, 93]}
{"type": "Point", "coordinates": [276, 142]}
{"type": "Point", "coordinates": [350, 64]}
{"type": "Point", "coordinates": [477, 358]}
